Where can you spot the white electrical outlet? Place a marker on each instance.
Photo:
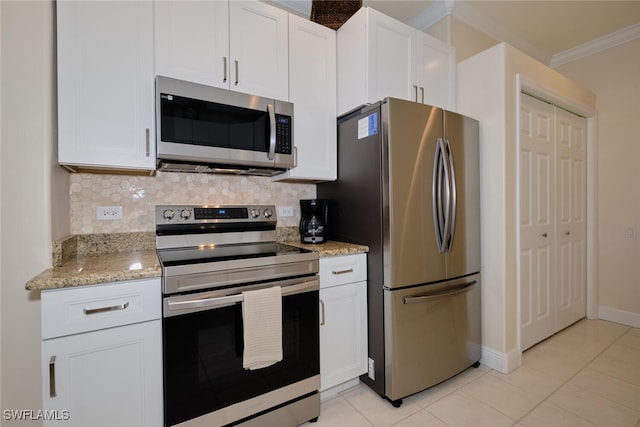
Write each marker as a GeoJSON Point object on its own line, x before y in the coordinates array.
{"type": "Point", "coordinates": [285, 211]}
{"type": "Point", "coordinates": [105, 213]}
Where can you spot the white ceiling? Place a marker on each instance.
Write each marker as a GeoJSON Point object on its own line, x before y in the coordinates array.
{"type": "Point", "coordinates": [552, 31]}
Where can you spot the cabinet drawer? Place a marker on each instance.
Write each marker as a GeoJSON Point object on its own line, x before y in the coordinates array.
{"type": "Point", "coordinates": [88, 308]}
{"type": "Point", "coordinates": [339, 270]}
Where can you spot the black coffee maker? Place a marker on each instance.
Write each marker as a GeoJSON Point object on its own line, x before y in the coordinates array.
{"type": "Point", "coordinates": [313, 220]}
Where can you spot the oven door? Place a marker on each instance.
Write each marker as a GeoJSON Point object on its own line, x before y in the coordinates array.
{"type": "Point", "coordinates": [204, 380]}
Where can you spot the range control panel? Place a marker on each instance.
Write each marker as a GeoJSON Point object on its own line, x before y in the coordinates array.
{"type": "Point", "coordinates": [190, 214]}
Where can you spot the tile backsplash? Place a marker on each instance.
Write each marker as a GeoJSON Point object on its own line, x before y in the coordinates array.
{"type": "Point", "coordinates": [138, 196]}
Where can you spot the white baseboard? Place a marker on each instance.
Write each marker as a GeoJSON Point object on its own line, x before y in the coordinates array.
{"type": "Point", "coordinates": [333, 391]}
{"type": "Point", "coordinates": [619, 316]}
{"type": "Point", "coordinates": [501, 362]}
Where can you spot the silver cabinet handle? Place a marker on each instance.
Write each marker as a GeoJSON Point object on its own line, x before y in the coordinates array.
{"type": "Point", "coordinates": [90, 311]}
{"type": "Point", "coordinates": [237, 67]}
{"type": "Point", "coordinates": [148, 142]}
{"type": "Point", "coordinates": [224, 71]}
{"type": "Point", "coordinates": [421, 94]}
{"type": "Point", "coordinates": [430, 296]}
{"type": "Point", "coordinates": [321, 313]}
{"type": "Point", "coordinates": [349, 270]}
{"type": "Point", "coordinates": [415, 88]}
{"type": "Point", "coordinates": [52, 377]}
{"type": "Point", "coordinates": [272, 132]}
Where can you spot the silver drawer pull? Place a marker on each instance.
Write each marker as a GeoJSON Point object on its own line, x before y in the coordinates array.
{"type": "Point", "coordinates": [90, 311]}
{"type": "Point", "coordinates": [52, 377]}
{"type": "Point", "coordinates": [350, 270]}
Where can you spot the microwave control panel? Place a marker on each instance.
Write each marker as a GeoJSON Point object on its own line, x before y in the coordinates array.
{"type": "Point", "coordinates": [283, 134]}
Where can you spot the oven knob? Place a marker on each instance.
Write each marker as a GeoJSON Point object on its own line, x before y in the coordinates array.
{"type": "Point", "coordinates": [255, 213]}
{"type": "Point", "coordinates": [185, 213]}
{"type": "Point", "coordinates": [268, 213]}
{"type": "Point", "coordinates": [168, 214]}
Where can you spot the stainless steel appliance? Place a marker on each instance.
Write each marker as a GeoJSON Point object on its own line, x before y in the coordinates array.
{"type": "Point", "coordinates": [313, 220]}
{"type": "Point", "coordinates": [210, 255]}
{"type": "Point", "coordinates": [408, 187]}
{"type": "Point", "coordinates": [206, 129]}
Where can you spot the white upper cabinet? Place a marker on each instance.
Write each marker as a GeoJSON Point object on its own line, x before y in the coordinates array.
{"type": "Point", "coordinates": [238, 45]}
{"type": "Point", "coordinates": [312, 89]}
{"type": "Point", "coordinates": [259, 49]}
{"type": "Point", "coordinates": [192, 41]}
{"type": "Point", "coordinates": [105, 84]}
{"type": "Point", "coordinates": [433, 74]}
{"type": "Point", "coordinates": [380, 57]}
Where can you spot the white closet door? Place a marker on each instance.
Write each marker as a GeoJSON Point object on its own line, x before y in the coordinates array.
{"type": "Point", "coordinates": [571, 221]}
{"type": "Point", "coordinates": [537, 218]}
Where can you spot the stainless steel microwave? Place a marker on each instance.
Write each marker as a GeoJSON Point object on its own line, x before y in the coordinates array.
{"type": "Point", "coordinates": [207, 129]}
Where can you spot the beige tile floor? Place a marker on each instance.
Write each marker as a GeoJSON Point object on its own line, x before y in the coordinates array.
{"type": "Point", "coordinates": [586, 375]}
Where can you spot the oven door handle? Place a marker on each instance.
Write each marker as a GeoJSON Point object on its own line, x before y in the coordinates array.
{"type": "Point", "coordinates": [196, 303]}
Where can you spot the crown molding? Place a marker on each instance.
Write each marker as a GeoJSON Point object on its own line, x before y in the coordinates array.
{"type": "Point", "coordinates": [470, 15]}
{"type": "Point", "coordinates": [465, 11]}
{"type": "Point", "coordinates": [624, 35]}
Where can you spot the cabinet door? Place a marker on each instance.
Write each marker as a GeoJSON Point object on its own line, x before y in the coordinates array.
{"type": "Point", "coordinates": [433, 71]}
{"type": "Point", "coordinates": [192, 41]}
{"type": "Point", "coordinates": [105, 84]}
{"type": "Point", "coordinates": [537, 218]}
{"type": "Point", "coordinates": [259, 49]}
{"type": "Point", "coordinates": [111, 377]}
{"type": "Point", "coordinates": [389, 51]}
{"type": "Point", "coordinates": [343, 333]}
{"type": "Point", "coordinates": [312, 89]}
{"type": "Point", "coordinates": [571, 217]}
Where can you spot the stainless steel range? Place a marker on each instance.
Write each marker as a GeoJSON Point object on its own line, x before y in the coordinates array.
{"type": "Point", "coordinates": [214, 259]}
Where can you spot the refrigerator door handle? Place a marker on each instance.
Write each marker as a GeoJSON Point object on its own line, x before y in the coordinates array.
{"type": "Point", "coordinates": [453, 197]}
{"type": "Point", "coordinates": [461, 289]}
{"type": "Point", "coordinates": [439, 222]}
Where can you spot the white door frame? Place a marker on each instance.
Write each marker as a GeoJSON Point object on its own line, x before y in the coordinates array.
{"type": "Point", "coordinates": [541, 91]}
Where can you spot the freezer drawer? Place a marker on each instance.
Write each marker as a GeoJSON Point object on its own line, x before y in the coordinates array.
{"type": "Point", "coordinates": [432, 333]}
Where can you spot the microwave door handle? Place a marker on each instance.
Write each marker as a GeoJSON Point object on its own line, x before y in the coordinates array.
{"type": "Point", "coordinates": [272, 132]}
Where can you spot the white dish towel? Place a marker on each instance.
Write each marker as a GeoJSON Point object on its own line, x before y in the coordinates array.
{"type": "Point", "coordinates": [262, 317]}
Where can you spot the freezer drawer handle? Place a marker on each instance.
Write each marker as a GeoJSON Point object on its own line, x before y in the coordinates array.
{"type": "Point", "coordinates": [439, 294]}
{"type": "Point", "coordinates": [90, 311]}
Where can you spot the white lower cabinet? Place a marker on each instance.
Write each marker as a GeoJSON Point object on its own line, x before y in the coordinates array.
{"type": "Point", "coordinates": [343, 319]}
{"type": "Point", "coordinates": [104, 377]}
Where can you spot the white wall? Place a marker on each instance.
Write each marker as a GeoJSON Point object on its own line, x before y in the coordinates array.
{"type": "Point", "coordinates": [614, 76]}
{"type": "Point", "coordinates": [488, 90]}
{"type": "Point", "coordinates": [25, 176]}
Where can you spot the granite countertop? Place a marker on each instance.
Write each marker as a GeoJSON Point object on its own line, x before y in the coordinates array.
{"type": "Point", "coordinates": [99, 258]}
{"type": "Point", "coordinates": [102, 268]}
{"type": "Point", "coordinates": [331, 248]}
{"type": "Point", "coordinates": [102, 258]}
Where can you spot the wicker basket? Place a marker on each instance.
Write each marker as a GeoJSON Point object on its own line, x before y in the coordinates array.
{"type": "Point", "coordinates": [333, 13]}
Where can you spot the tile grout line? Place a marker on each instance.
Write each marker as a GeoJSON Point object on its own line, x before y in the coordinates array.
{"type": "Point", "coordinates": [569, 379]}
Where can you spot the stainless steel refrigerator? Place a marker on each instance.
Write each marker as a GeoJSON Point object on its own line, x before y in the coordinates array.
{"type": "Point", "coordinates": [408, 187]}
